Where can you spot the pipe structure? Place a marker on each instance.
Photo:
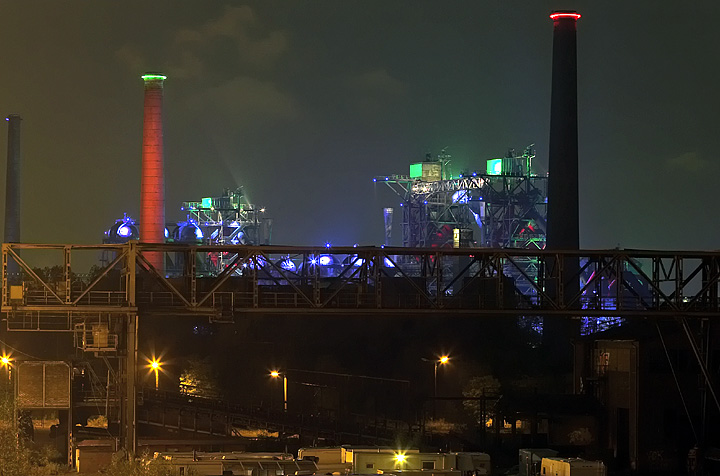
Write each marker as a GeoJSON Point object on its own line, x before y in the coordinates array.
{"type": "Point", "coordinates": [388, 215]}
{"type": "Point", "coordinates": [563, 223]}
{"type": "Point", "coordinates": [152, 189]}
{"type": "Point", "coordinates": [12, 194]}
{"type": "Point", "coordinates": [12, 181]}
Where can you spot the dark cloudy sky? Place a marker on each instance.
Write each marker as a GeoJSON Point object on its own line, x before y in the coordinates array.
{"type": "Point", "coordinates": [303, 102]}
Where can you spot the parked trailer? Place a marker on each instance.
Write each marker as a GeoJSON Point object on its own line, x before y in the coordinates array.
{"type": "Point", "coordinates": [572, 467]}
{"type": "Point", "coordinates": [230, 464]}
{"type": "Point", "coordinates": [342, 460]}
{"type": "Point", "coordinates": [530, 460]}
{"type": "Point", "coordinates": [473, 464]}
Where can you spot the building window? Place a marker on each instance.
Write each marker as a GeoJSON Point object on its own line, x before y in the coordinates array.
{"type": "Point", "coordinates": [369, 465]}
{"type": "Point", "coordinates": [428, 465]}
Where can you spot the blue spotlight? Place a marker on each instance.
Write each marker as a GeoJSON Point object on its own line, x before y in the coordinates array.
{"type": "Point", "coordinates": [124, 231]}
{"type": "Point", "coordinates": [288, 265]}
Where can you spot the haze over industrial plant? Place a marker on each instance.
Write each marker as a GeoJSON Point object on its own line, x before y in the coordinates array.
{"type": "Point", "coordinates": [302, 103]}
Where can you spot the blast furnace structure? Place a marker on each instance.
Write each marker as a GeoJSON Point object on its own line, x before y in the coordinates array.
{"type": "Point", "coordinates": [502, 206]}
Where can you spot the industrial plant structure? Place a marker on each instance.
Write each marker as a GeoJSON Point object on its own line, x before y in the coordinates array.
{"type": "Point", "coordinates": [503, 205]}
{"type": "Point", "coordinates": [225, 220]}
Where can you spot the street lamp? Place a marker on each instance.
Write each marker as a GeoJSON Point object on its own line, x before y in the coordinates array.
{"type": "Point", "coordinates": [442, 360]}
{"type": "Point", "coordinates": [155, 366]}
{"type": "Point", "coordinates": [400, 459]}
{"type": "Point", "coordinates": [278, 374]}
{"type": "Point", "coordinates": [5, 361]}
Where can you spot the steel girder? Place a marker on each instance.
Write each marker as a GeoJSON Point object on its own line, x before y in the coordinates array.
{"type": "Point", "coordinates": [472, 281]}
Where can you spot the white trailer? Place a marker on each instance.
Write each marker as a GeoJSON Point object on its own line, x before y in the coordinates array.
{"type": "Point", "coordinates": [364, 460]}
{"type": "Point", "coordinates": [473, 464]}
{"type": "Point", "coordinates": [246, 464]}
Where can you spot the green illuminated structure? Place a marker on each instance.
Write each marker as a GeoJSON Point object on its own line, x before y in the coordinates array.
{"type": "Point", "coordinates": [494, 167]}
{"type": "Point", "coordinates": [154, 77]}
{"type": "Point", "coordinates": [504, 207]}
{"type": "Point", "coordinates": [229, 219]}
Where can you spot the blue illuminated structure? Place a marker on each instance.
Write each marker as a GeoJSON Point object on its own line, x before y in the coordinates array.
{"type": "Point", "coordinates": [188, 232]}
{"type": "Point", "coordinates": [288, 265]}
{"type": "Point", "coordinates": [124, 230]}
{"type": "Point", "coordinates": [353, 260]}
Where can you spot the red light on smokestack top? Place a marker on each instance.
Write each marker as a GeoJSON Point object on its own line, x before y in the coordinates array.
{"type": "Point", "coordinates": [152, 189]}
{"type": "Point", "coordinates": [560, 14]}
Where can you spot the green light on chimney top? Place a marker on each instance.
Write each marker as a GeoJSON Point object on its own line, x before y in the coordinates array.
{"type": "Point", "coordinates": [154, 77]}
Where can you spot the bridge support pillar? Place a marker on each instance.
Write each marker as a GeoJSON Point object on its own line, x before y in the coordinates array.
{"type": "Point", "coordinates": [130, 421]}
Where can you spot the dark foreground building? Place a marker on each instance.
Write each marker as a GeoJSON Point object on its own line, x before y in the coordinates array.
{"type": "Point", "coordinates": [658, 410]}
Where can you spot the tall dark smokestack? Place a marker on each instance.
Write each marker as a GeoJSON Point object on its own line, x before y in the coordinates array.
{"type": "Point", "coordinates": [563, 223]}
{"type": "Point", "coordinates": [12, 181]}
{"type": "Point", "coordinates": [152, 190]}
{"type": "Point", "coordinates": [563, 229]}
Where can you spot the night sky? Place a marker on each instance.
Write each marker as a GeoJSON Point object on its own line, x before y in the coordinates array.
{"type": "Point", "coordinates": [303, 102]}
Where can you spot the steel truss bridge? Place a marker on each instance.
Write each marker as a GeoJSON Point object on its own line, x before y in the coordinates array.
{"type": "Point", "coordinates": [347, 280]}
{"type": "Point", "coordinates": [42, 292]}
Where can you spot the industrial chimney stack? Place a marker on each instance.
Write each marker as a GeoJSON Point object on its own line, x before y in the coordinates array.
{"type": "Point", "coordinates": [152, 190]}
{"type": "Point", "coordinates": [563, 227]}
{"type": "Point", "coordinates": [563, 223]}
{"type": "Point", "coordinates": [12, 184]}
{"type": "Point", "coordinates": [12, 194]}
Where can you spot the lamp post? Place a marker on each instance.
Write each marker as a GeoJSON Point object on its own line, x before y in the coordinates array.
{"type": "Point", "coordinates": [155, 367]}
{"type": "Point", "coordinates": [5, 361]}
{"type": "Point", "coordinates": [442, 360]}
{"type": "Point", "coordinates": [278, 374]}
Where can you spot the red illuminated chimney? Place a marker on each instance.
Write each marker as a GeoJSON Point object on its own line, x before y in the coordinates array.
{"type": "Point", "coordinates": [152, 189]}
